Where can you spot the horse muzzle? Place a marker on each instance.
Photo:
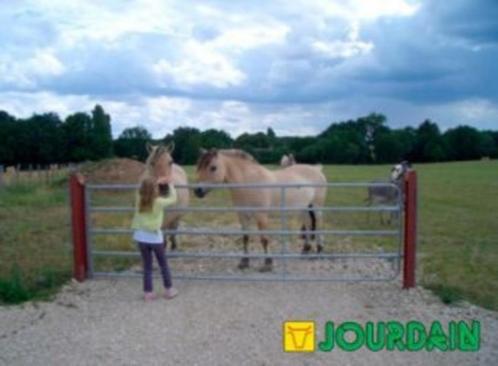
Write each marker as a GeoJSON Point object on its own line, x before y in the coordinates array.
{"type": "Point", "coordinates": [200, 192]}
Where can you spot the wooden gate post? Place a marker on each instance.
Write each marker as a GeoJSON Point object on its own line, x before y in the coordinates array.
{"type": "Point", "coordinates": [410, 235]}
{"type": "Point", "coordinates": [78, 217]}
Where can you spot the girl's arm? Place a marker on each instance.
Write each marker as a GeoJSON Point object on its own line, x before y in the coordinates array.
{"type": "Point", "coordinates": [171, 199]}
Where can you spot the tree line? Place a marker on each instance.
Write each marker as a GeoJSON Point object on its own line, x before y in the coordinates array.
{"type": "Point", "coordinates": [45, 139]}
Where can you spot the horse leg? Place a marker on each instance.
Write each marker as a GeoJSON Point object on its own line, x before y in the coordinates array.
{"type": "Point", "coordinates": [318, 225]}
{"type": "Point", "coordinates": [172, 237]}
{"type": "Point", "coordinates": [262, 223]}
{"type": "Point", "coordinates": [244, 261]}
{"type": "Point", "coordinates": [305, 235]}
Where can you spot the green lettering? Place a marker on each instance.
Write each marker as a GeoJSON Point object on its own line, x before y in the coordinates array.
{"type": "Point", "coordinates": [415, 336]}
{"type": "Point", "coordinates": [452, 337]}
{"type": "Point", "coordinates": [346, 345]}
{"type": "Point", "coordinates": [470, 339]}
{"type": "Point", "coordinates": [395, 336]}
{"type": "Point", "coordinates": [379, 343]}
{"type": "Point", "coordinates": [327, 344]}
{"type": "Point", "coordinates": [437, 338]}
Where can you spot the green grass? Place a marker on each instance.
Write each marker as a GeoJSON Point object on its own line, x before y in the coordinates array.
{"type": "Point", "coordinates": [457, 233]}
{"type": "Point", "coordinates": [35, 253]}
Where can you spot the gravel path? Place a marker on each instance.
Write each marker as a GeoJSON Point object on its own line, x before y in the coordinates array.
{"type": "Point", "coordinates": [220, 323]}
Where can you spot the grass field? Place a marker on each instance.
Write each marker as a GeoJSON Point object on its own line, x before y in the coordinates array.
{"type": "Point", "coordinates": [458, 234]}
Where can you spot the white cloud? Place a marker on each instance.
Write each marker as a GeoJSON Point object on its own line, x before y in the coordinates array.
{"type": "Point", "coordinates": [361, 9]}
{"type": "Point", "coordinates": [241, 66]}
{"type": "Point", "coordinates": [213, 62]}
{"type": "Point", "coordinates": [373, 9]}
{"type": "Point", "coordinates": [24, 104]}
{"type": "Point", "coordinates": [253, 36]}
{"type": "Point", "coordinates": [199, 64]}
{"type": "Point", "coordinates": [26, 73]}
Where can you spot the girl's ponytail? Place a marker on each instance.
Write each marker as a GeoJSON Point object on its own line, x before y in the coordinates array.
{"type": "Point", "coordinates": [148, 193]}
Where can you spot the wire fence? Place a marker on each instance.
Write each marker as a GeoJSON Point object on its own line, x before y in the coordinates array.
{"type": "Point", "coordinates": [33, 174]}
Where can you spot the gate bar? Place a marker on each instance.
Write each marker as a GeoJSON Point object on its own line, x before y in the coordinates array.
{"type": "Point", "coordinates": [252, 185]}
{"type": "Point", "coordinates": [275, 255]}
{"type": "Point", "coordinates": [253, 209]}
{"type": "Point", "coordinates": [190, 231]}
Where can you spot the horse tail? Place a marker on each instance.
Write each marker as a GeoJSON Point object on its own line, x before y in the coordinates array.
{"type": "Point", "coordinates": [312, 214]}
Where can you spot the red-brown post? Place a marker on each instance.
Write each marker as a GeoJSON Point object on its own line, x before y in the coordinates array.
{"type": "Point", "coordinates": [77, 194]}
{"type": "Point", "coordinates": [410, 238]}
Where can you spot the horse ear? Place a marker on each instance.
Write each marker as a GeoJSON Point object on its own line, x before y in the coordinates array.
{"type": "Point", "coordinates": [170, 147]}
{"type": "Point", "coordinates": [149, 147]}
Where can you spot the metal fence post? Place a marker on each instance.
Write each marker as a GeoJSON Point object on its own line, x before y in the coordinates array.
{"type": "Point", "coordinates": [77, 195]}
{"type": "Point", "coordinates": [283, 226]}
{"type": "Point", "coordinates": [410, 237]}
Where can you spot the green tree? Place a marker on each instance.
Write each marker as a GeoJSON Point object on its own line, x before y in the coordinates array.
{"type": "Point", "coordinates": [187, 144]}
{"type": "Point", "coordinates": [467, 143]}
{"type": "Point", "coordinates": [248, 141]}
{"type": "Point", "coordinates": [8, 136]}
{"type": "Point", "coordinates": [216, 138]}
{"type": "Point", "coordinates": [429, 145]}
{"type": "Point", "coordinates": [76, 132]}
{"type": "Point", "coordinates": [100, 134]}
{"type": "Point", "coordinates": [131, 143]}
{"type": "Point", "coordinates": [489, 144]}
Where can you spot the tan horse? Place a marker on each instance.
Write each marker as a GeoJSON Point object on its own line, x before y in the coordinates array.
{"type": "Point", "coordinates": [236, 166]}
{"type": "Point", "coordinates": [160, 164]}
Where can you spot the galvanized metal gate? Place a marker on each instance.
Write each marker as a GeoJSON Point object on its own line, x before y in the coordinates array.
{"type": "Point", "coordinates": [404, 233]}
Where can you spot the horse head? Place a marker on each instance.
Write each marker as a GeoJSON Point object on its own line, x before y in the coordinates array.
{"type": "Point", "coordinates": [210, 169]}
{"type": "Point", "coordinates": [159, 163]}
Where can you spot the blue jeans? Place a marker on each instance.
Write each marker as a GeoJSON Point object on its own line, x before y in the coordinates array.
{"type": "Point", "coordinates": [146, 250]}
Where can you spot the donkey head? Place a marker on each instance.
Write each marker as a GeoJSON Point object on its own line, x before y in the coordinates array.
{"type": "Point", "coordinates": [398, 171]}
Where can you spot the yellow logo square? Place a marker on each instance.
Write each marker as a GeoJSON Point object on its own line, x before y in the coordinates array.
{"type": "Point", "coordinates": [299, 336]}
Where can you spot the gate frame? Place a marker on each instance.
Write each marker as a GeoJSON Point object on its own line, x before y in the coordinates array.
{"type": "Point", "coordinates": [79, 211]}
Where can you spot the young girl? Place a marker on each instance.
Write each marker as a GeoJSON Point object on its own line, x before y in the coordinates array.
{"type": "Point", "coordinates": [147, 221]}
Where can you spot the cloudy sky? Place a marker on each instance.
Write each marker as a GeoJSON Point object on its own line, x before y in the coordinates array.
{"type": "Point", "coordinates": [247, 65]}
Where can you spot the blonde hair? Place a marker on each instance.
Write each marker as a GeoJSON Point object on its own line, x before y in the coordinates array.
{"type": "Point", "coordinates": [148, 193]}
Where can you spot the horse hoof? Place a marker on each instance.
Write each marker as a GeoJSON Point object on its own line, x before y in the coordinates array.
{"type": "Point", "coordinates": [306, 249]}
{"type": "Point", "coordinates": [244, 263]}
{"type": "Point", "coordinates": [267, 266]}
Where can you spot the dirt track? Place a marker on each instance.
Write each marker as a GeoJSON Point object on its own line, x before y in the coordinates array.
{"type": "Point", "coordinates": [220, 323]}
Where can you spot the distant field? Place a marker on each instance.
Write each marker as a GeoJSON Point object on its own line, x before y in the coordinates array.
{"type": "Point", "coordinates": [458, 226]}
{"type": "Point", "coordinates": [458, 235]}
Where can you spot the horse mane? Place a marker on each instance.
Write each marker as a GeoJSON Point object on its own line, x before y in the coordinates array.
{"type": "Point", "coordinates": [152, 158]}
{"type": "Point", "coordinates": [240, 154]}
{"type": "Point", "coordinates": [206, 157]}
